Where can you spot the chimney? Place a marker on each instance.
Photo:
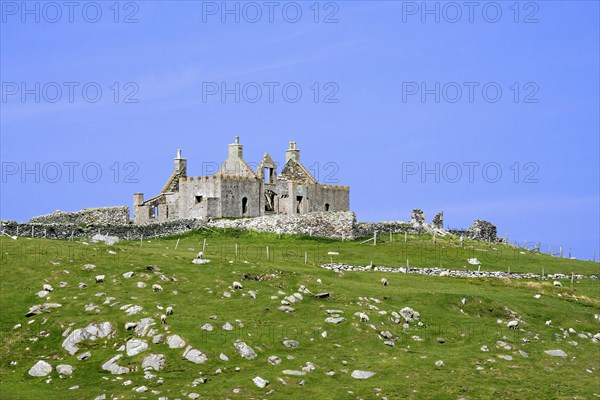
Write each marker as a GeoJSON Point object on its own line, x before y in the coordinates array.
{"type": "Point", "coordinates": [180, 164]}
{"type": "Point", "coordinates": [138, 199]}
{"type": "Point", "coordinates": [292, 153]}
{"type": "Point", "coordinates": [235, 149]}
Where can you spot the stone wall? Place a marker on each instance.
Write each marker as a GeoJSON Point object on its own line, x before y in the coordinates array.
{"type": "Point", "coordinates": [105, 216]}
{"type": "Point", "coordinates": [480, 230]}
{"type": "Point", "coordinates": [323, 224]}
{"type": "Point", "coordinates": [364, 229]}
{"type": "Point", "coordinates": [127, 231]}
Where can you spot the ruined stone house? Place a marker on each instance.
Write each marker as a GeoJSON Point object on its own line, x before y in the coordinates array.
{"type": "Point", "coordinates": [235, 190]}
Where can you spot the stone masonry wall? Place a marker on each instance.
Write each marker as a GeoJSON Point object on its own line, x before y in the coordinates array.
{"type": "Point", "coordinates": [128, 231]}
{"type": "Point", "coordinates": [324, 224]}
{"type": "Point", "coordinates": [106, 216]}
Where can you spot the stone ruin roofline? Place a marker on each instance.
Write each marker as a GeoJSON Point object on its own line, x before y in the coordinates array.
{"type": "Point", "coordinates": [326, 186]}
{"type": "Point", "coordinates": [236, 177]}
{"type": "Point", "coordinates": [215, 176]}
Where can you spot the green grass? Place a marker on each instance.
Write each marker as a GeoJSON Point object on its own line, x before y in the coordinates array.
{"type": "Point", "coordinates": [404, 371]}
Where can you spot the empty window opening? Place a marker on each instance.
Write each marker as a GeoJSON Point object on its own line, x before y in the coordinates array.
{"type": "Point", "coordinates": [244, 205]}
{"type": "Point", "coordinates": [326, 206]}
{"type": "Point", "coordinates": [298, 204]}
{"type": "Point", "coordinates": [268, 174]}
{"type": "Point", "coordinates": [198, 199]}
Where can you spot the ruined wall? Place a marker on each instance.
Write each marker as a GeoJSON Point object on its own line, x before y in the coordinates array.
{"type": "Point", "coordinates": [209, 187]}
{"type": "Point", "coordinates": [103, 215]}
{"type": "Point", "coordinates": [233, 190]}
{"type": "Point", "coordinates": [323, 224]}
{"type": "Point", "coordinates": [336, 197]}
{"type": "Point", "coordinates": [125, 232]}
{"type": "Point", "coordinates": [364, 229]}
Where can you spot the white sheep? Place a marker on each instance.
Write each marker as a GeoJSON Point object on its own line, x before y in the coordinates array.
{"type": "Point", "coordinates": [363, 317]}
{"type": "Point", "coordinates": [549, 322]}
{"type": "Point", "coordinates": [384, 281]}
{"type": "Point", "coordinates": [557, 284]}
{"type": "Point", "coordinates": [157, 288]}
{"type": "Point", "coordinates": [163, 318]}
{"type": "Point", "coordinates": [513, 324]}
{"type": "Point", "coordinates": [47, 287]}
{"type": "Point", "coordinates": [237, 285]}
{"type": "Point", "coordinates": [99, 278]}
{"type": "Point", "coordinates": [169, 310]}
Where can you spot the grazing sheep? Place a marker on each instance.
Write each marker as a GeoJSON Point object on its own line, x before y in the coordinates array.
{"type": "Point", "coordinates": [513, 324]}
{"type": "Point", "coordinates": [384, 281]}
{"type": "Point", "coordinates": [237, 285]}
{"type": "Point", "coordinates": [130, 325]}
{"type": "Point", "coordinates": [169, 310]}
{"type": "Point", "coordinates": [319, 281]}
{"type": "Point", "coordinates": [163, 318]}
{"type": "Point", "coordinates": [200, 255]}
{"type": "Point", "coordinates": [47, 288]}
{"type": "Point", "coordinates": [549, 322]}
{"type": "Point", "coordinates": [99, 278]}
{"type": "Point", "coordinates": [557, 284]}
{"type": "Point", "coordinates": [157, 288]}
{"type": "Point", "coordinates": [363, 317]}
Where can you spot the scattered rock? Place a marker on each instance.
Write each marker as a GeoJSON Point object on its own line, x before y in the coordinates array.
{"type": "Point", "coordinates": [64, 369]}
{"type": "Point", "coordinates": [158, 339]}
{"type": "Point", "coordinates": [154, 361]}
{"type": "Point", "coordinates": [175, 342]}
{"type": "Point", "coordinates": [195, 356]}
{"type": "Point", "coordinates": [293, 372]}
{"type": "Point", "coordinates": [523, 354]}
{"type": "Point", "coordinates": [556, 353]}
{"type": "Point", "coordinates": [41, 368]}
{"type": "Point", "coordinates": [227, 326]}
{"type": "Point", "coordinates": [358, 374]}
{"type": "Point", "coordinates": [41, 308]}
{"type": "Point", "coordinates": [244, 350]}
{"type": "Point", "coordinates": [260, 382]}
{"type": "Point", "coordinates": [292, 344]}
{"type": "Point", "coordinates": [91, 332]}
{"type": "Point", "coordinates": [135, 346]}
{"type": "Point", "coordinates": [335, 320]}
{"type": "Point", "coordinates": [112, 366]}
{"type": "Point", "coordinates": [274, 360]}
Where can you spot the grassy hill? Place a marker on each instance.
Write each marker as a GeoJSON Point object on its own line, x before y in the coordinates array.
{"type": "Point", "coordinates": [466, 313]}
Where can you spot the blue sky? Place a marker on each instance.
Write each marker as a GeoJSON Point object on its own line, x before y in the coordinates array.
{"type": "Point", "coordinates": [361, 118]}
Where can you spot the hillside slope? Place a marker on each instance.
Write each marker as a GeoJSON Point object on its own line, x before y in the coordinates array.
{"type": "Point", "coordinates": [459, 346]}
